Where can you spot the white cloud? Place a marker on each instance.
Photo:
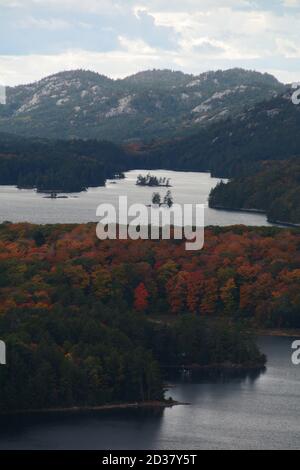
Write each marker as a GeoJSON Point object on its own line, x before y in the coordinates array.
{"type": "Point", "coordinates": [92, 6]}
{"type": "Point", "coordinates": [209, 34]}
{"type": "Point", "coordinates": [193, 5]}
{"type": "Point", "coordinates": [285, 76]}
{"type": "Point", "coordinates": [288, 48]}
{"type": "Point", "coordinates": [121, 5]}
{"type": "Point", "coordinates": [291, 3]}
{"type": "Point", "coordinates": [136, 47]}
{"type": "Point", "coordinates": [51, 24]}
{"type": "Point", "coordinates": [26, 69]}
{"type": "Point", "coordinates": [10, 3]}
{"type": "Point", "coordinates": [241, 32]}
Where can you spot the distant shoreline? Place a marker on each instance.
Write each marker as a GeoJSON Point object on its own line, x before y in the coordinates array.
{"type": "Point", "coordinates": [222, 367]}
{"type": "Point", "coordinates": [280, 333]}
{"type": "Point", "coordinates": [255, 211]}
{"type": "Point", "coordinates": [111, 407]}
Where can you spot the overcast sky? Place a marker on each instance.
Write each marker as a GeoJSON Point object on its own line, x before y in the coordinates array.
{"type": "Point", "coordinates": [120, 37]}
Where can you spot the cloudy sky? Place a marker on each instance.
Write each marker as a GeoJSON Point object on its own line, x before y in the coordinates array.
{"type": "Point", "coordinates": [120, 37]}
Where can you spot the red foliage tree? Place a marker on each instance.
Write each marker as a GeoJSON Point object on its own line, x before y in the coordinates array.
{"type": "Point", "coordinates": [141, 296]}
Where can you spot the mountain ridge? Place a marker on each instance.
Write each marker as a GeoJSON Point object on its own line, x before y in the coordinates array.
{"type": "Point", "coordinates": [150, 104]}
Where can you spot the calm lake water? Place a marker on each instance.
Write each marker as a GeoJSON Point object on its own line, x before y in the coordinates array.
{"type": "Point", "coordinates": [256, 412]}
{"type": "Point", "coordinates": [28, 206]}
{"type": "Point", "coordinates": [253, 413]}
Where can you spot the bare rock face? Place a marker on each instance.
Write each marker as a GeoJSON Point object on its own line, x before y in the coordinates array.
{"type": "Point", "coordinates": [150, 104]}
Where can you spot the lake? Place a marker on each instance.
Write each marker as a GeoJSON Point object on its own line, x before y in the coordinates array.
{"type": "Point", "coordinates": [187, 188]}
{"type": "Point", "coordinates": [259, 412]}
{"type": "Point", "coordinates": [255, 412]}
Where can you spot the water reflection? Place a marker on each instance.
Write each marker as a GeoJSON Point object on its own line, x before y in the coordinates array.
{"type": "Point", "coordinates": [117, 429]}
{"type": "Point", "coordinates": [214, 375]}
{"type": "Point", "coordinates": [259, 410]}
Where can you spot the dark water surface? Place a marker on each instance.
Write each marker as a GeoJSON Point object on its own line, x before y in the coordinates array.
{"type": "Point", "coordinates": [261, 412]}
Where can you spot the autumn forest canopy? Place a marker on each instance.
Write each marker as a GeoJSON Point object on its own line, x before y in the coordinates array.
{"type": "Point", "coordinates": [249, 273]}
{"type": "Point", "coordinates": [84, 320]}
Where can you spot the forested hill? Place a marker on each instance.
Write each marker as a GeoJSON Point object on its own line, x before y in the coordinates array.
{"type": "Point", "coordinates": [74, 310]}
{"type": "Point", "coordinates": [61, 165]}
{"type": "Point", "coordinates": [275, 190]}
{"type": "Point", "coordinates": [151, 104]}
{"type": "Point", "coordinates": [267, 131]}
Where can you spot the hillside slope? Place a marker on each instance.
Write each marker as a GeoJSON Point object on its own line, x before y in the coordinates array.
{"type": "Point", "coordinates": [275, 190]}
{"type": "Point", "coordinates": [150, 104]}
{"type": "Point", "coordinates": [235, 147]}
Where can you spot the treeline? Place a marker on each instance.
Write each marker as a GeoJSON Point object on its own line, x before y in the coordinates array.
{"type": "Point", "coordinates": [85, 353]}
{"type": "Point", "coordinates": [152, 181]}
{"type": "Point", "coordinates": [76, 354]}
{"type": "Point", "coordinates": [60, 165]}
{"type": "Point", "coordinates": [275, 190]}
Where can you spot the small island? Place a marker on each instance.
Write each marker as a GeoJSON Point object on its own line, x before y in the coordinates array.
{"type": "Point", "coordinates": [119, 176]}
{"type": "Point", "coordinates": [153, 181]}
{"type": "Point", "coordinates": [167, 201]}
